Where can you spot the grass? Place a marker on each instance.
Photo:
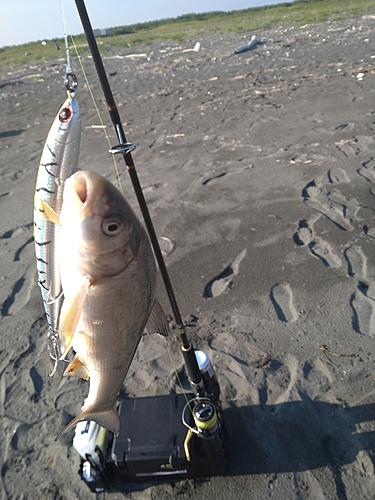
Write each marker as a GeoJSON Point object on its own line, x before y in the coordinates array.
{"type": "Point", "coordinates": [297, 13]}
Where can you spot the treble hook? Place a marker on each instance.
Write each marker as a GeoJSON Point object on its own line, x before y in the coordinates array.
{"type": "Point", "coordinates": [54, 350]}
{"type": "Point", "coordinates": [71, 82]}
{"type": "Point", "coordinates": [49, 301]}
{"type": "Point", "coordinates": [53, 337]}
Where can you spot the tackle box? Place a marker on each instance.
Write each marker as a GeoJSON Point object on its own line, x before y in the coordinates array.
{"type": "Point", "coordinates": [151, 445]}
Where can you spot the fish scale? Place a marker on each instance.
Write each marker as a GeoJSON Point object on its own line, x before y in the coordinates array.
{"type": "Point", "coordinates": [133, 293]}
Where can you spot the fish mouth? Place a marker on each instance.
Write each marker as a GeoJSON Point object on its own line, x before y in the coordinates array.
{"type": "Point", "coordinates": [81, 188]}
{"type": "Point", "coordinates": [85, 188]}
{"type": "Point", "coordinates": [89, 196]}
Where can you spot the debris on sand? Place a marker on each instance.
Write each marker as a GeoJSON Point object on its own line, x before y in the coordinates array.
{"type": "Point", "coordinates": [249, 46]}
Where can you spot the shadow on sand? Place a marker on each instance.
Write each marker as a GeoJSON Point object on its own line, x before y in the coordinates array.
{"type": "Point", "coordinates": [293, 437]}
{"type": "Point", "coordinates": [297, 436]}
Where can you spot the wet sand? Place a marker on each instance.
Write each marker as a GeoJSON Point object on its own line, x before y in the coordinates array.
{"type": "Point", "coordinates": [259, 171]}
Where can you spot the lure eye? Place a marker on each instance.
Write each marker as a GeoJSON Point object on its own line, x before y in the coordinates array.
{"type": "Point", "coordinates": [65, 114]}
{"type": "Point", "coordinates": [112, 227]}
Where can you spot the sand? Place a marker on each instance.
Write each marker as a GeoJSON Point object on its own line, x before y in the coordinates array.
{"type": "Point", "coordinates": [259, 171]}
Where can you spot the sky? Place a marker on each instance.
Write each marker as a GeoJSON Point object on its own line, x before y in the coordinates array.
{"type": "Point", "coordinates": [23, 21]}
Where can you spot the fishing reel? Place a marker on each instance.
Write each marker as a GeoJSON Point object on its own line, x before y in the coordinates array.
{"type": "Point", "coordinates": [207, 437]}
{"type": "Point", "coordinates": [205, 445]}
{"type": "Point", "coordinates": [205, 417]}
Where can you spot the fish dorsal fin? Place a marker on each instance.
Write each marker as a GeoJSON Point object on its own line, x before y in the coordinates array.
{"type": "Point", "coordinates": [70, 314]}
{"type": "Point", "coordinates": [157, 322]}
{"type": "Point", "coordinates": [77, 368]}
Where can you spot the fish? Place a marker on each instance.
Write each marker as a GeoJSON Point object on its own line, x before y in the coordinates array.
{"type": "Point", "coordinates": [58, 161]}
{"type": "Point", "coordinates": [108, 276]}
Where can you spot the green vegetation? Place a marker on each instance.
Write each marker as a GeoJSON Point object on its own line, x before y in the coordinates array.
{"type": "Point", "coordinates": [297, 13]}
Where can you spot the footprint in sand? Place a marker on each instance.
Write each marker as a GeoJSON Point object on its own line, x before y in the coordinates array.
{"type": "Point", "coordinates": [363, 308]}
{"type": "Point", "coordinates": [304, 234]}
{"type": "Point", "coordinates": [20, 293]}
{"type": "Point", "coordinates": [368, 288]}
{"type": "Point", "coordinates": [281, 381]}
{"type": "Point", "coordinates": [357, 262]}
{"type": "Point", "coordinates": [368, 170]}
{"type": "Point", "coordinates": [369, 231]}
{"type": "Point", "coordinates": [348, 147]}
{"type": "Point", "coordinates": [223, 281]}
{"type": "Point", "coordinates": [317, 246]}
{"type": "Point", "coordinates": [323, 251]}
{"type": "Point", "coordinates": [332, 205]}
{"type": "Point", "coordinates": [218, 176]}
{"type": "Point", "coordinates": [282, 300]}
{"type": "Point", "coordinates": [337, 175]}
{"type": "Point", "coordinates": [349, 208]}
{"type": "Point", "coordinates": [334, 130]}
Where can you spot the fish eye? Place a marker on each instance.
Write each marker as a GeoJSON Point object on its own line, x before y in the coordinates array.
{"type": "Point", "coordinates": [111, 227]}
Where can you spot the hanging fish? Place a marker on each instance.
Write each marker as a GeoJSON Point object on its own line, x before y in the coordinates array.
{"type": "Point", "coordinates": [59, 160]}
{"type": "Point", "coordinates": [108, 275]}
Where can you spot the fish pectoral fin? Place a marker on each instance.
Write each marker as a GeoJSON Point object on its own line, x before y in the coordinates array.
{"type": "Point", "coordinates": [157, 322]}
{"type": "Point", "coordinates": [49, 211]}
{"type": "Point", "coordinates": [70, 314]}
{"type": "Point", "coordinates": [76, 367]}
{"type": "Point", "coordinates": [51, 214]}
{"type": "Point", "coordinates": [108, 419]}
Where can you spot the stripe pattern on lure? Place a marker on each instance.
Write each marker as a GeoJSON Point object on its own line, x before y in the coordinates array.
{"type": "Point", "coordinates": [59, 161]}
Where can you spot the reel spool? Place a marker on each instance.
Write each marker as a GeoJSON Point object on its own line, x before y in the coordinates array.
{"type": "Point", "coordinates": [205, 417]}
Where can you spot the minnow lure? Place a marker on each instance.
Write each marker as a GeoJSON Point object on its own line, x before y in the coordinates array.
{"type": "Point", "coordinates": [59, 161]}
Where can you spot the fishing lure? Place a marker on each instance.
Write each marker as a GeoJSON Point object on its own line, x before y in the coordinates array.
{"type": "Point", "coordinates": [59, 161]}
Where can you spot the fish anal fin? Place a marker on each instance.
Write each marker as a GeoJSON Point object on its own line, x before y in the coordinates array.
{"type": "Point", "coordinates": [108, 419]}
{"type": "Point", "coordinates": [70, 315]}
{"type": "Point", "coordinates": [77, 367]}
{"type": "Point", "coordinates": [157, 322]}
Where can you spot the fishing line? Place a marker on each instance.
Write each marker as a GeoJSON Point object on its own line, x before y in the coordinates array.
{"type": "Point", "coordinates": [176, 373]}
{"type": "Point", "coordinates": [102, 125]}
{"type": "Point", "coordinates": [68, 68]}
{"type": "Point", "coordinates": [125, 148]}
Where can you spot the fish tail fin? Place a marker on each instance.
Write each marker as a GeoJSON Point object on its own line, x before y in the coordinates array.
{"type": "Point", "coordinates": [108, 419]}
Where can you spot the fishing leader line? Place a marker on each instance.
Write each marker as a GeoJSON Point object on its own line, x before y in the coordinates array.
{"type": "Point", "coordinates": [102, 125]}
{"type": "Point", "coordinates": [68, 67]}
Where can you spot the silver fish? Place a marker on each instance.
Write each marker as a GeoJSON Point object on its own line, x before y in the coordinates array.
{"type": "Point", "coordinates": [108, 276]}
{"type": "Point", "coordinates": [59, 160]}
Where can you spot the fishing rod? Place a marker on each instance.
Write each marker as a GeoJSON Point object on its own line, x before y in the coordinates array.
{"type": "Point", "coordinates": [125, 148]}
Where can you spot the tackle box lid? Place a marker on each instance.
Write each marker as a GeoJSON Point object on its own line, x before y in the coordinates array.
{"type": "Point", "coordinates": [152, 435]}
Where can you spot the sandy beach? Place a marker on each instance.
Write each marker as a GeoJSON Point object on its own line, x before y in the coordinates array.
{"type": "Point", "coordinates": [259, 172]}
